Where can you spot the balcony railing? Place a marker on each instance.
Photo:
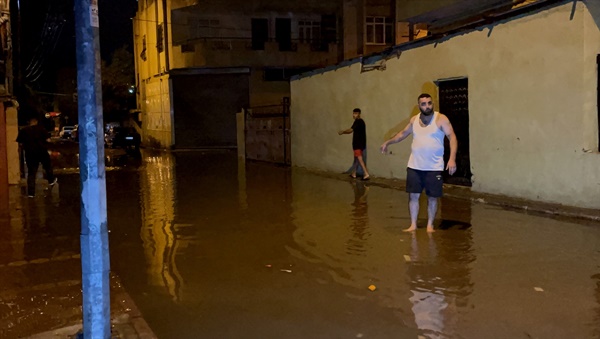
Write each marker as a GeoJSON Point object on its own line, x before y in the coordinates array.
{"type": "Point", "coordinates": [292, 45]}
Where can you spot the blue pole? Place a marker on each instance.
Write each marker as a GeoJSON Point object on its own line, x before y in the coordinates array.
{"type": "Point", "coordinates": [95, 261]}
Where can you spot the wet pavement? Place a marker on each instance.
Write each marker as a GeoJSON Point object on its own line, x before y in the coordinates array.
{"type": "Point", "coordinates": [207, 247]}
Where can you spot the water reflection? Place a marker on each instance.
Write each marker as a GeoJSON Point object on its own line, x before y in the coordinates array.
{"type": "Point", "coordinates": [360, 217]}
{"type": "Point", "coordinates": [225, 239]}
{"type": "Point", "coordinates": [157, 192]}
{"type": "Point", "coordinates": [439, 273]}
{"type": "Point", "coordinates": [430, 306]}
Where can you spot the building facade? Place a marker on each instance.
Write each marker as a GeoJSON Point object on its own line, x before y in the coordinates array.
{"type": "Point", "coordinates": [198, 63]}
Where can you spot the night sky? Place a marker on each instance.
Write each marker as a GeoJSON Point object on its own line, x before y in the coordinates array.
{"type": "Point", "coordinates": [48, 36]}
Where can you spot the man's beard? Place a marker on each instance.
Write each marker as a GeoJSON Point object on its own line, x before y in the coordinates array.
{"type": "Point", "coordinates": [427, 112]}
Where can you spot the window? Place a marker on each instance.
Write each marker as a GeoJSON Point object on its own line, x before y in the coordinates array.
{"type": "Point", "coordinates": [283, 33]}
{"type": "Point", "coordinates": [159, 38]}
{"type": "Point", "coordinates": [309, 31]}
{"type": "Point", "coordinates": [260, 33]}
{"type": "Point", "coordinates": [380, 30]}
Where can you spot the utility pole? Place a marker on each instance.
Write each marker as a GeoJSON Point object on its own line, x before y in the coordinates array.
{"type": "Point", "coordinates": [95, 261]}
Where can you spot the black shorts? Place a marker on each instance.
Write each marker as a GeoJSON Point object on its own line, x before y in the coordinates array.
{"type": "Point", "coordinates": [431, 181]}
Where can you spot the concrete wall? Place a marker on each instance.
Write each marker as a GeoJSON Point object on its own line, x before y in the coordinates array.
{"type": "Point", "coordinates": [156, 105]}
{"type": "Point", "coordinates": [533, 114]}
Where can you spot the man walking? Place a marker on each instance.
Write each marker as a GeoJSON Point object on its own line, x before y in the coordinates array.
{"type": "Point", "coordinates": [34, 139]}
{"type": "Point", "coordinates": [426, 162]}
{"type": "Point", "coordinates": [359, 142]}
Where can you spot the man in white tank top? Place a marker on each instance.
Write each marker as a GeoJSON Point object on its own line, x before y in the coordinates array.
{"type": "Point", "coordinates": [426, 162]}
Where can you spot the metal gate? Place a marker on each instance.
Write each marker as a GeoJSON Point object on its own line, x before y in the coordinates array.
{"type": "Point", "coordinates": [267, 133]}
{"type": "Point", "coordinates": [454, 103]}
{"type": "Point", "coordinates": [205, 104]}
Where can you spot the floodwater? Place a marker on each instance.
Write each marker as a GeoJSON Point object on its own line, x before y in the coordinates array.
{"type": "Point", "coordinates": [211, 248]}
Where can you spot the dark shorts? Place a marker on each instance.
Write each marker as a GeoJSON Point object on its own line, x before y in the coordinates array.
{"type": "Point", "coordinates": [431, 181]}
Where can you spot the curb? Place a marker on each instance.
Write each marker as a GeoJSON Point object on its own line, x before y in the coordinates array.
{"type": "Point", "coordinates": [465, 193]}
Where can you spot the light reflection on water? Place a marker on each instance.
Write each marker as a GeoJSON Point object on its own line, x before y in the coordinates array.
{"type": "Point", "coordinates": [424, 277]}
{"type": "Point", "coordinates": [157, 192]}
{"type": "Point", "coordinates": [212, 227]}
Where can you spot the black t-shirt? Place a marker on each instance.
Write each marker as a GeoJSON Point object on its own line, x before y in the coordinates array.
{"type": "Point", "coordinates": [33, 138]}
{"type": "Point", "coordinates": [359, 134]}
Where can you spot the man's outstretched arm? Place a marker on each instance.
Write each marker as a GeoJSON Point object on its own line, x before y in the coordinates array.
{"type": "Point", "coordinates": [346, 131]}
{"type": "Point", "coordinates": [403, 134]}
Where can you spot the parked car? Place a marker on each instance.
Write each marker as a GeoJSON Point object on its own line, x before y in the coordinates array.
{"type": "Point", "coordinates": [122, 137]}
{"type": "Point", "coordinates": [65, 132]}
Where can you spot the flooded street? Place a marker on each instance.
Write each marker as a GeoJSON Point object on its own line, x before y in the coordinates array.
{"type": "Point", "coordinates": [210, 248]}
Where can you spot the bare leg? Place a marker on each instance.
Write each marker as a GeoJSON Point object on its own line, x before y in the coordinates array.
{"type": "Point", "coordinates": [362, 163]}
{"type": "Point", "coordinates": [432, 204]}
{"type": "Point", "coordinates": [354, 167]}
{"type": "Point", "coordinates": [413, 208]}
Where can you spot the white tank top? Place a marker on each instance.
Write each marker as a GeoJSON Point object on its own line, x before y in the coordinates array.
{"type": "Point", "coordinates": [427, 150]}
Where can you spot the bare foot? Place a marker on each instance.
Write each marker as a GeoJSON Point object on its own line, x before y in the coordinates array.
{"type": "Point", "coordinates": [412, 228]}
{"type": "Point", "coordinates": [430, 229]}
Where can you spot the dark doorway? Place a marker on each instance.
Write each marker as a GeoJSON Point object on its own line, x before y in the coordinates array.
{"type": "Point", "coordinates": [454, 103]}
{"type": "Point", "coordinates": [260, 33]}
{"type": "Point", "coordinates": [283, 33]}
{"type": "Point", "coordinates": [205, 107]}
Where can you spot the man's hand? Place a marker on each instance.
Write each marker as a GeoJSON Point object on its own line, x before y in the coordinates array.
{"type": "Point", "coordinates": [341, 132]}
{"type": "Point", "coordinates": [384, 147]}
{"type": "Point", "coordinates": [451, 167]}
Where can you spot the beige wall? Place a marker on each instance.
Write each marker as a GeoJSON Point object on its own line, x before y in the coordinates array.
{"type": "Point", "coordinates": [533, 115]}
